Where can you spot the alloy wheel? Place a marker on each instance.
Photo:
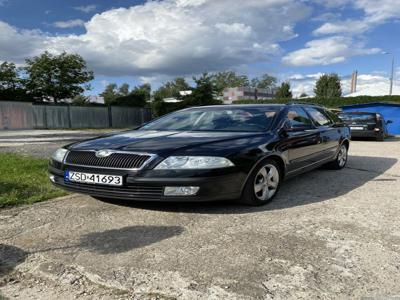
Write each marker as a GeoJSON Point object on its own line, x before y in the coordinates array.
{"type": "Point", "coordinates": [266, 182]}
{"type": "Point", "coordinates": [342, 156]}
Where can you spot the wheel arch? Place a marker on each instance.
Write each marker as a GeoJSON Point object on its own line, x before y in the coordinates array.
{"type": "Point", "coordinates": [346, 142]}
{"type": "Point", "coordinates": [274, 156]}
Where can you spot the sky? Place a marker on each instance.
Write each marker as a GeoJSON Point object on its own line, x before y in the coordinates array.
{"type": "Point", "coordinates": [137, 41]}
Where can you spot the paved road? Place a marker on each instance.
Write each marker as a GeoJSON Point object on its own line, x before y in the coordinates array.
{"type": "Point", "coordinates": [327, 235]}
{"type": "Point", "coordinates": [42, 143]}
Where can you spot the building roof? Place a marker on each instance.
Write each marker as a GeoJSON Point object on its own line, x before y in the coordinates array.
{"type": "Point", "coordinates": [377, 90]}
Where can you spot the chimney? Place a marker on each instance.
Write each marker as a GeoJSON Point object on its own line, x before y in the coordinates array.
{"type": "Point", "coordinates": [353, 85]}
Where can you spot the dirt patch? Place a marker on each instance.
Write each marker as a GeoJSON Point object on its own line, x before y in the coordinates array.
{"type": "Point", "coordinates": [327, 235]}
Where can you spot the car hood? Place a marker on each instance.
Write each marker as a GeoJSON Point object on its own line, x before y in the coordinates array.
{"type": "Point", "coordinates": [163, 141]}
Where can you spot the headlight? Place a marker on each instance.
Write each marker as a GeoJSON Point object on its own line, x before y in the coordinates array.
{"type": "Point", "coordinates": [194, 162]}
{"type": "Point", "coordinates": [59, 154]}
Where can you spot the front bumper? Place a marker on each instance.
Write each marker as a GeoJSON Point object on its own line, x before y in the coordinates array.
{"type": "Point", "coordinates": [149, 185]}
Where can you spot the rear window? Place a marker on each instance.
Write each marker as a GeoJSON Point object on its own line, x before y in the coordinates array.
{"type": "Point", "coordinates": [358, 117]}
{"type": "Point", "coordinates": [319, 116]}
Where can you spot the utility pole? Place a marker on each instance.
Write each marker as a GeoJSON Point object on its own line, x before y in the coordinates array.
{"type": "Point", "coordinates": [391, 72]}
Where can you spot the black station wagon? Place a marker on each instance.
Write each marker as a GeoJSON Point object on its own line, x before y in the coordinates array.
{"type": "Point", "coordinates": [366, 125]}
{"type": "Point", "coordinates": [225, 152]}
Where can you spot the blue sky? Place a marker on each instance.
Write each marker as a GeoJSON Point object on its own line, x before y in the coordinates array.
{"type": "Point", "coordinates": [141, 41]}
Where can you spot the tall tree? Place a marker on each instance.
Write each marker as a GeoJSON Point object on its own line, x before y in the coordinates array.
{"type": "Point", "coordinates": [226, 79]}
{"type": "Point", "coordinates": [9, 77]}
{"type": "Point", "coordinates": [146, 88]}
{"type": "Point", "coordinates": [171, 89]}
{"type": "Point", "coordinates": [80, 100]}
{"type": "Point", "coordinates": [203, 93]}
{"type": "Point", "coordinates": [124, 89]}
{"type": "Point", "coordinates": [328, 86]}
{"type": "Point", "coordinates": [110, 93]}
{"type": "Point", "coordinates": [57, 77]}
{"type": "Point", "coordinates": [11, 85]}
{"type": "Point", "coordinates": [283, 91]}
{"type": "Point", "coordinates": [266, 81]}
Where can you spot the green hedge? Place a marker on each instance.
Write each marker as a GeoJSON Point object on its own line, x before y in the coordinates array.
{"type": "Point", "coordinates": [333, 102]}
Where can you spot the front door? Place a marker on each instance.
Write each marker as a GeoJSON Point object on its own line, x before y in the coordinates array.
{"type": "Point", "coordinates": [302, 141]}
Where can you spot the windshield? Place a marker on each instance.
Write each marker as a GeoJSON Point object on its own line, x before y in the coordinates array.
{"type": "Point", "coordinates": [217, 119]}
{"type": "Point", "coordinates": [357, 117]}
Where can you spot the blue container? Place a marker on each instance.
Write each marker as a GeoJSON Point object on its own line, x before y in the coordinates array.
{"type": "Point", "coordinates": [387, 110]}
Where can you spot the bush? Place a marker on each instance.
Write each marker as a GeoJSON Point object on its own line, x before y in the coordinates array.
{"type": "Point", "coordinates": [331, 102]}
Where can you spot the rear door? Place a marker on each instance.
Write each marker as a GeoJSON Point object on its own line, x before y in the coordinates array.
{"type": "Point", "coordinates": [330, 135]}
{"type": "Point", "coordinates": [302, 141]}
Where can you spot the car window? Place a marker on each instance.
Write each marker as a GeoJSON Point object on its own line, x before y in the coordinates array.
{"type": "Point", "coordinates": [333, 116]}
{"type": "Point", "coordinates": [298, 118]}
{"type": "Point", "coordinates": [252, 119]}
{"type": "Point", "coordinates": [318, 116]}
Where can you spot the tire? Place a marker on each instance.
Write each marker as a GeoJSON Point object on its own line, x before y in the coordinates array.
{"type": "Point", "coordinates": [340, 160]}
{"type": "Point", "coordinates": [263, 183]}
{"type": "Point", "coordinates": [380, 138]}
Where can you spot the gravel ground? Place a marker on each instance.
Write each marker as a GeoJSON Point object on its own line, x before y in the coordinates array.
{"type": "Point", "coordinates": [327, 235]}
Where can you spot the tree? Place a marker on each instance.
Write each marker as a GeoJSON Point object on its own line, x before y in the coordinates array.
{"type": "Point", "coordinates": [11, 85]}
{"type": "Point", "coordinates": [110, 94]}
{"type": "Point", "coordinates": [146, 89]}
{"type": "Point", "coordinates": [222, 80]}
{"type": "Point", "coordinates": [9, 77]}
{"type": "Point", "coordinates": [283, 91]}
{"type": "Point", "coordinates": [203, 93]}
{"type": "Point", "coordinates": [137, 97]}
{"type": "Point", "coordinates": [171, 89]}
{"type": "Point", "coordinates": [57, 77]}
{"type": "Point", "coordinates": [124, 89]}
{"type": "Point", "coordinates": [80, 100]}
{"type": "Point", "coordinates": [328, 86]}
{"type": "Point", "coordinates": [265, 82]}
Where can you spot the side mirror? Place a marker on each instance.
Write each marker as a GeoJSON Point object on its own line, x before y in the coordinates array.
{"type": "Point", "coordinates": [389, 122]}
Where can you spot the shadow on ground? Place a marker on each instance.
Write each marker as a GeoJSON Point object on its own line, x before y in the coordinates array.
{"type": "Point", "coordinates": [315, 186]}
{"type": "Point", "coordinates": [112, 241]}
{"type": "Point", "coordinates": [391, 139]}
{"type": "Point", "coordinates": [127, 238]}
{"type": "Point", "coordinates": [10, 257]}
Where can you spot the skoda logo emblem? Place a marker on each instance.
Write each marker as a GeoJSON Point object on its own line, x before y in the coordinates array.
{"type": "Point", "coordinates": [103, 153]}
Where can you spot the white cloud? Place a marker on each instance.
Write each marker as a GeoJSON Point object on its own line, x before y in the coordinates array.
{"type": "Point", "coordinates": [86, 9]}
{"type": "Point", "coordinates": [16, 45]}
{"type": "Point", "coordinates": [170, 37]}
{"type": "Point", "coordinates": [305, 83]}
{"type": "Point", "coordinates": [375, 13]}
{"type": "Point", "coordinates": [327, 51]}
{"type": "Point", "coordinates": [332, 3]}
{"type": "Point", "coordinates": [69, 24]}
{"type": "Point", "coordinates": [348, 27]}
{"type": "Point", "coordinates": [326, 17]}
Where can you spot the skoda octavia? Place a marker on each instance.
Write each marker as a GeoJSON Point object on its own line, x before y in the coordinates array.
{"type": "Point", "coordinates": [230, 152]}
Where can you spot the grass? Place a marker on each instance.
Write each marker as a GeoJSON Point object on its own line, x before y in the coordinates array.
{"type": "Point", "coordinates": [24, 180]}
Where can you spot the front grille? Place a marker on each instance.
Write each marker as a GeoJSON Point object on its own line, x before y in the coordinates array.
{"type": "Point", "coordinates": [118, 160]}
{"type": "Point", "coordinates": [137, 192]}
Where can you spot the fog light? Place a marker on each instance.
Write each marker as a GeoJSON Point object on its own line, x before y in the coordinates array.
{"type": "Point", "coordinates": [52, 178]}
{"type": "Point", "coordinates": [181, 190]}
{"type": "Point", "coordinates": [377, 129]}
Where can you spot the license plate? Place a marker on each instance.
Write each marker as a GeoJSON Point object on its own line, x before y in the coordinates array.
{"type": "Point", "coordinates": [356, 128]}
{"type": "Point", "coordinates": [90, 178]}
